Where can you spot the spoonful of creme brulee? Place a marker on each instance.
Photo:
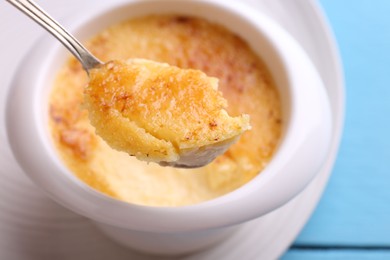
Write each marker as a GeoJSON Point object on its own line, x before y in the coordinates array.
{"type": "Point", "coordinates": [154, 111]}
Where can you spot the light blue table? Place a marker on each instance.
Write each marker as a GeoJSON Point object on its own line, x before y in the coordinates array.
{"type": "Point", "coordinates": [352, 220]}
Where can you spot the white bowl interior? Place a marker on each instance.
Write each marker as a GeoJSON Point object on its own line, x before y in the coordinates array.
{"type": "Point", "coordinates": [84, 30]}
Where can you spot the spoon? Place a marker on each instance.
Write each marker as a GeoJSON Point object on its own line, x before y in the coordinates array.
{"type": "Point", "coordinates": [170, 142]}
{"type": "Point", "coordinates": [37, 14]}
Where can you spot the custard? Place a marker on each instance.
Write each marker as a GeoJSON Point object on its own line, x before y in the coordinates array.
{"type": "Point", "coordinates": [185, 42]}
{"type": "Point", "coordinates": [161, 113]}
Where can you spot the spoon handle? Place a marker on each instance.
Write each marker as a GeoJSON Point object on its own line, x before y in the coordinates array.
{"type": "Point", "coordinates": [37, 14]}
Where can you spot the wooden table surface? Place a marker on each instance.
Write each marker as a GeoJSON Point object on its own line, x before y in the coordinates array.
{"type": "Point", "coordinates": [352, 221]}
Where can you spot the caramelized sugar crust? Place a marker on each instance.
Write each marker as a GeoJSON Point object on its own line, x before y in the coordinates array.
{"type": "Point", "coordinates": [156, 112]}
{"type": "Point", "coordinates": [187, 43]}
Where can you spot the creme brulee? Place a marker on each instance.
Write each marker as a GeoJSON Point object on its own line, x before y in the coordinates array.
{"type": "Point", "coordinates": [161, 113]}
{"type": "Point", "coordinates": [187, 43]}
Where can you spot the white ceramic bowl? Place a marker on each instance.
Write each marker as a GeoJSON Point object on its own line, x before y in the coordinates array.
{"type": "Point", "coordinates": [162, 230]}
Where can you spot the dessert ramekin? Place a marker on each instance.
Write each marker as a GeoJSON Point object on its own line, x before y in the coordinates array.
{"type": "Point", "coordinates": [162, 230]}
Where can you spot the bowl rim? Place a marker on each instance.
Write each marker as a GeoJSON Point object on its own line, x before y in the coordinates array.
{"type": "Point", "coordinates": [205, 215]}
